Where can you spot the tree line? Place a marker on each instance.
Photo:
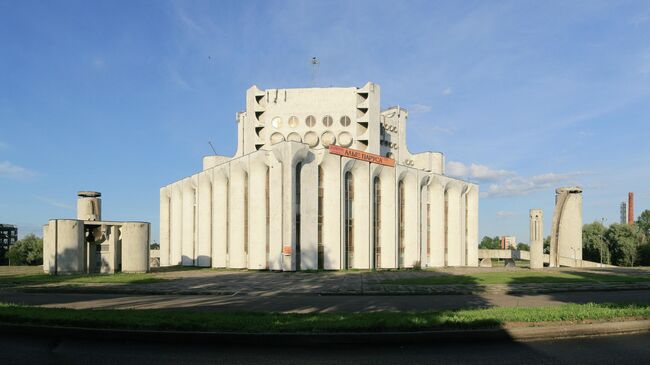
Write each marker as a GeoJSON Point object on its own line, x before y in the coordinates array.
{"type": "Point", "coordinates": [616, 244]}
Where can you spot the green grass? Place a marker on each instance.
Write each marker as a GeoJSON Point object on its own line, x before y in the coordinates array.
{"type": "Point", "coordinates": [321, 322]}
{"type": "Point", "coordinates": [122, 278]}
{"type": "Point", "coordinates": [519, 277]}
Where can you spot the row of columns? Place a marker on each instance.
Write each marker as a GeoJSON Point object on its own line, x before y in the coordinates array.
{"type": "Point", "coordinates": [204, 222]}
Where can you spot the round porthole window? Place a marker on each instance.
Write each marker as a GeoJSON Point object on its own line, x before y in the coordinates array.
{"type": "Point", "coordinates": [276, 122]}
{"type": "Point", "coordinates": [345, 121]}
{"type": "Point", "coordinates": [311, 139]}
{"type": "Point", "coordinates": [345, 139]}
{"type": "Point", "coordinates": [310, 121]}
{"type": "Point", "coordinates": [327, 139]}
{"type": "Point", "coordinates": [293, 122]}
{"type": "Point", "coordinates": [327, 121]}
{"type": "Point", "coordinates": [294, 137]}
{"type": "Point", "coordinates": [276, 138]}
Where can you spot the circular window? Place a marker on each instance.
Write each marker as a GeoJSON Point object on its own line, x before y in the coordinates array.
{"type": "Point", "coordinates": [327, 121]}
{"type": "Point", "coordinates": [310, 121]}
{"type": "Point", "coordinates": [327, 139]}
{"type": "Point", "coordinates": [293, 122]}
{"type": "Point", "coordinates": [345, 121]}
{"type": "Point", "coordinates": [345, 139]}
{"type": "Point", "coordinates": [294, 137]}
{"type": "Point", "coordinates": [311, 139]}
{"type": "Point", "coordinates": [276, 138]}
{"type": "Point", "coordinates": [276, 122]}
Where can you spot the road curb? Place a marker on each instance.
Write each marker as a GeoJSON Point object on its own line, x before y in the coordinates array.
{"type": "Point", "coordinates": [521, 334]}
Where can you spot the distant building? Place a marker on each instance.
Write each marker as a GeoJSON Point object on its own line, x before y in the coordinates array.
{"type": "Point", "coordinates": [8, 236]}
{"type": "Point", "coordinates": [508, 242]}
{"type": "Point", "coordinates": [623, 212]}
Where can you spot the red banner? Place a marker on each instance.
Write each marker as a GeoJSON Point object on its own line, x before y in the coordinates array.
{"type": "Point", "coordinates": [360, 155]}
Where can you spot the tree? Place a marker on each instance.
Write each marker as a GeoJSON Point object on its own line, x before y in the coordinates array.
{"type": "Point", "coordinates": [643, 222]}
{"type": "Point", "coordinates": [643, 255]}
{"type": "Point", "coordinates": [623, 241]}
{"type": "Point", "coordinates": [523, 247]}
{"type": "Point", "coordinates": [594, 247]}
{"type": "Point", "coordinates": [491, 243]}
{"type": "Point", "coordinates": [547, 245]}
{"type": "Point", "coordinates": [28, 251]}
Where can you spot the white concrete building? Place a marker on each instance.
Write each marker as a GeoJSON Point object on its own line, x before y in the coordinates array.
{"type": "Point", "coordinates": [322, 179]}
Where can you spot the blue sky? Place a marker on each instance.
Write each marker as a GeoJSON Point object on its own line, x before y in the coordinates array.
{"type": "Point", "coordinates": [522, 97]}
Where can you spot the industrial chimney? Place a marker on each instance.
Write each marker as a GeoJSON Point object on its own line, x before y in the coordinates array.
{"type": "Point", "coordinates": [630, 208]}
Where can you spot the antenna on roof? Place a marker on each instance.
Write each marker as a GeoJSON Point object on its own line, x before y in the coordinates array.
{"type": "Point", "coordinates": [314, 70]}
{"type": "Point", "coordinates": [211, 146]}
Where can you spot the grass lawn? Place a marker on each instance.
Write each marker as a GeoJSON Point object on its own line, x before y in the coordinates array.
{"type": "Point", "coordinates": [518, 277]}
{"type": "Point", "coordinates": [42, 278]}
{"type": "Point", "coordinates": [319, 322]}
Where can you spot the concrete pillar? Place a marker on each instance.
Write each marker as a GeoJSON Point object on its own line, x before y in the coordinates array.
{"type": "Point", "coordinates": [49, 247]}
{"type": "Point", "coordinates": [89, 206]}
{"type": "Point", "coordinates": [219, 216]}
{"type": "Point", "coordinates": [436, 196]}
{"type": "Point", "coordinates": [309, 213]}
{"type": "Point", "coordinates": [566, 230]}
{"type": "Point", "coordinates": [204, 221]}
{"type": "Point", "coordinates": [165, 206]}
{"type": "Point", "coordinates": [237, 232]}
{"type": "Point", "coordinates": [388, 218]}
{"type": "Point", "coordinates": [454, 228]}
{"type": "Point", "coordinates": [332, 212]}
{"type": "Point", "coordinates": [536, 239]}
{"type": "Point", "coordinates": [70, 246]}
{"type": "Point", "coordinates": [423, 220]}
{"type": "Point", "coordinates": [275, 213]}
{"type": "Point", "coordinates": [188, 222]}
{"type": "Point", "coordinates": [135, 247]}
{"type": "Point", "coordinates": [258, 225]}
{"type": "Point", "coordinates": [362, 186]}
{"type": "Point", "coordinates": [176, 224]}
{"type": "Point", "coordinates": [472, 225]}
{"type": "Point", "coordinates": [411, 210]}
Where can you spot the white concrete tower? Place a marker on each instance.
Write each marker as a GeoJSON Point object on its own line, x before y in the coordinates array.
{"type": "Point", "coordinates": [536, 239]}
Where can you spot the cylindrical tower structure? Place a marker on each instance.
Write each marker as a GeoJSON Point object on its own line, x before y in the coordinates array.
{"type": "Point", "coordinates": [536, 239]}
{"type": "Point", "coordinates": [135, 247]}
{"type": "Point", "coordinates": [630, 208]}
{"type": "Point", "coordinates": [89, 206]}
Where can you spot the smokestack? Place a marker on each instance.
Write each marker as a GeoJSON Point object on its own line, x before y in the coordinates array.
{"type": "Point", "coordinates": [630, 208]}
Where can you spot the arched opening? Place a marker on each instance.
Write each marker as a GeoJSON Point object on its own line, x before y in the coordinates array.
{"type": "Point", "coordinates": [297, 206]}
{"type": "Point", "coordinates": [377, 223]}
{"type": "Point", "coordinates": [349, 221]}
{"type": "Point", "coordinates": [401, 223]}
{"type": "Point", "coordinates": [321, 250]}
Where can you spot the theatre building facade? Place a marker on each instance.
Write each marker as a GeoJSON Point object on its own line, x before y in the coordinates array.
{"type": "Point", "coordinates": [321, 179]}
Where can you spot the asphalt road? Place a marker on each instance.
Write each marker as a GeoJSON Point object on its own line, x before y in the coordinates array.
{"type": "Point", "coordinates": [315, 303]}
{"type": "Point", "coordinates": [20, 349]}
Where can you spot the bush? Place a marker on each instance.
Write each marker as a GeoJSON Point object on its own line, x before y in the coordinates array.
{"type": "Point", "coordinates": [28, 251]}
{"type": "Point", "coordinates": [643, 255]}
{"type": "Point", "coordinates": [623, 241]}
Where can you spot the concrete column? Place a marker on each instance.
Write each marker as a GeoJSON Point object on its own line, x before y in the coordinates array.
{"type": "Point", "coordinates": [536, 239]}
{"type": "Point", "coordinates": [188, 222]}
{"type": "Point", "coordinates": [49, 247]}
{"type": "Point", "coordinates": [472, 225]}
{"type": "Point", "coordinates": [165, 206]}
{"type": "Point", "coordinates": [70, 247]}
{"type": "Point", "coordinates": [454, 227]}
{"type": "Point", "coordinates": [463, 225]}
{"type": "Point", "coordinates": [309, 213]}
{"type": "Point", "coordinates": [411, 211]}
{"type": "Point", "coordinates": [236, 228]}
{"type": "Point", "coordinates": [423, 220]}
{"type": "Point", "coordinates": [275, 212]}
{"type": "Point", "coordinates": [388, 218]}
{"type": "Point", "coordinates": [135, 247]}
{"type": "Point", "coordinates": [362, 186]}
{"type": "Point", "coordinates": [219, 216]}
{"type": "Point", "coordinates": [257, 212]}
{"type": "Point", "coordinates": [332, 212]}
{"type": "Point", "coordinates": [176, 224]}
{"type": "Point", "coordinates": [204, 208]}
{"type": "Point", "coordinates": [436, 197]}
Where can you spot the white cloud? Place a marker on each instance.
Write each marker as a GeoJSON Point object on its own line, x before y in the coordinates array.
{"type": "Point", "coordinates": [419, 108]}
{"type": "Point", "coordinates": [7, 169]}
{"type": "Point", "coordinates": [519, 185]}
{"type": "Point", "coordinates": [447, 91]}
{"type": "Point", "coordinates": [54, 203]}
{"type": "Point", "coordinates": [476, 171]}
